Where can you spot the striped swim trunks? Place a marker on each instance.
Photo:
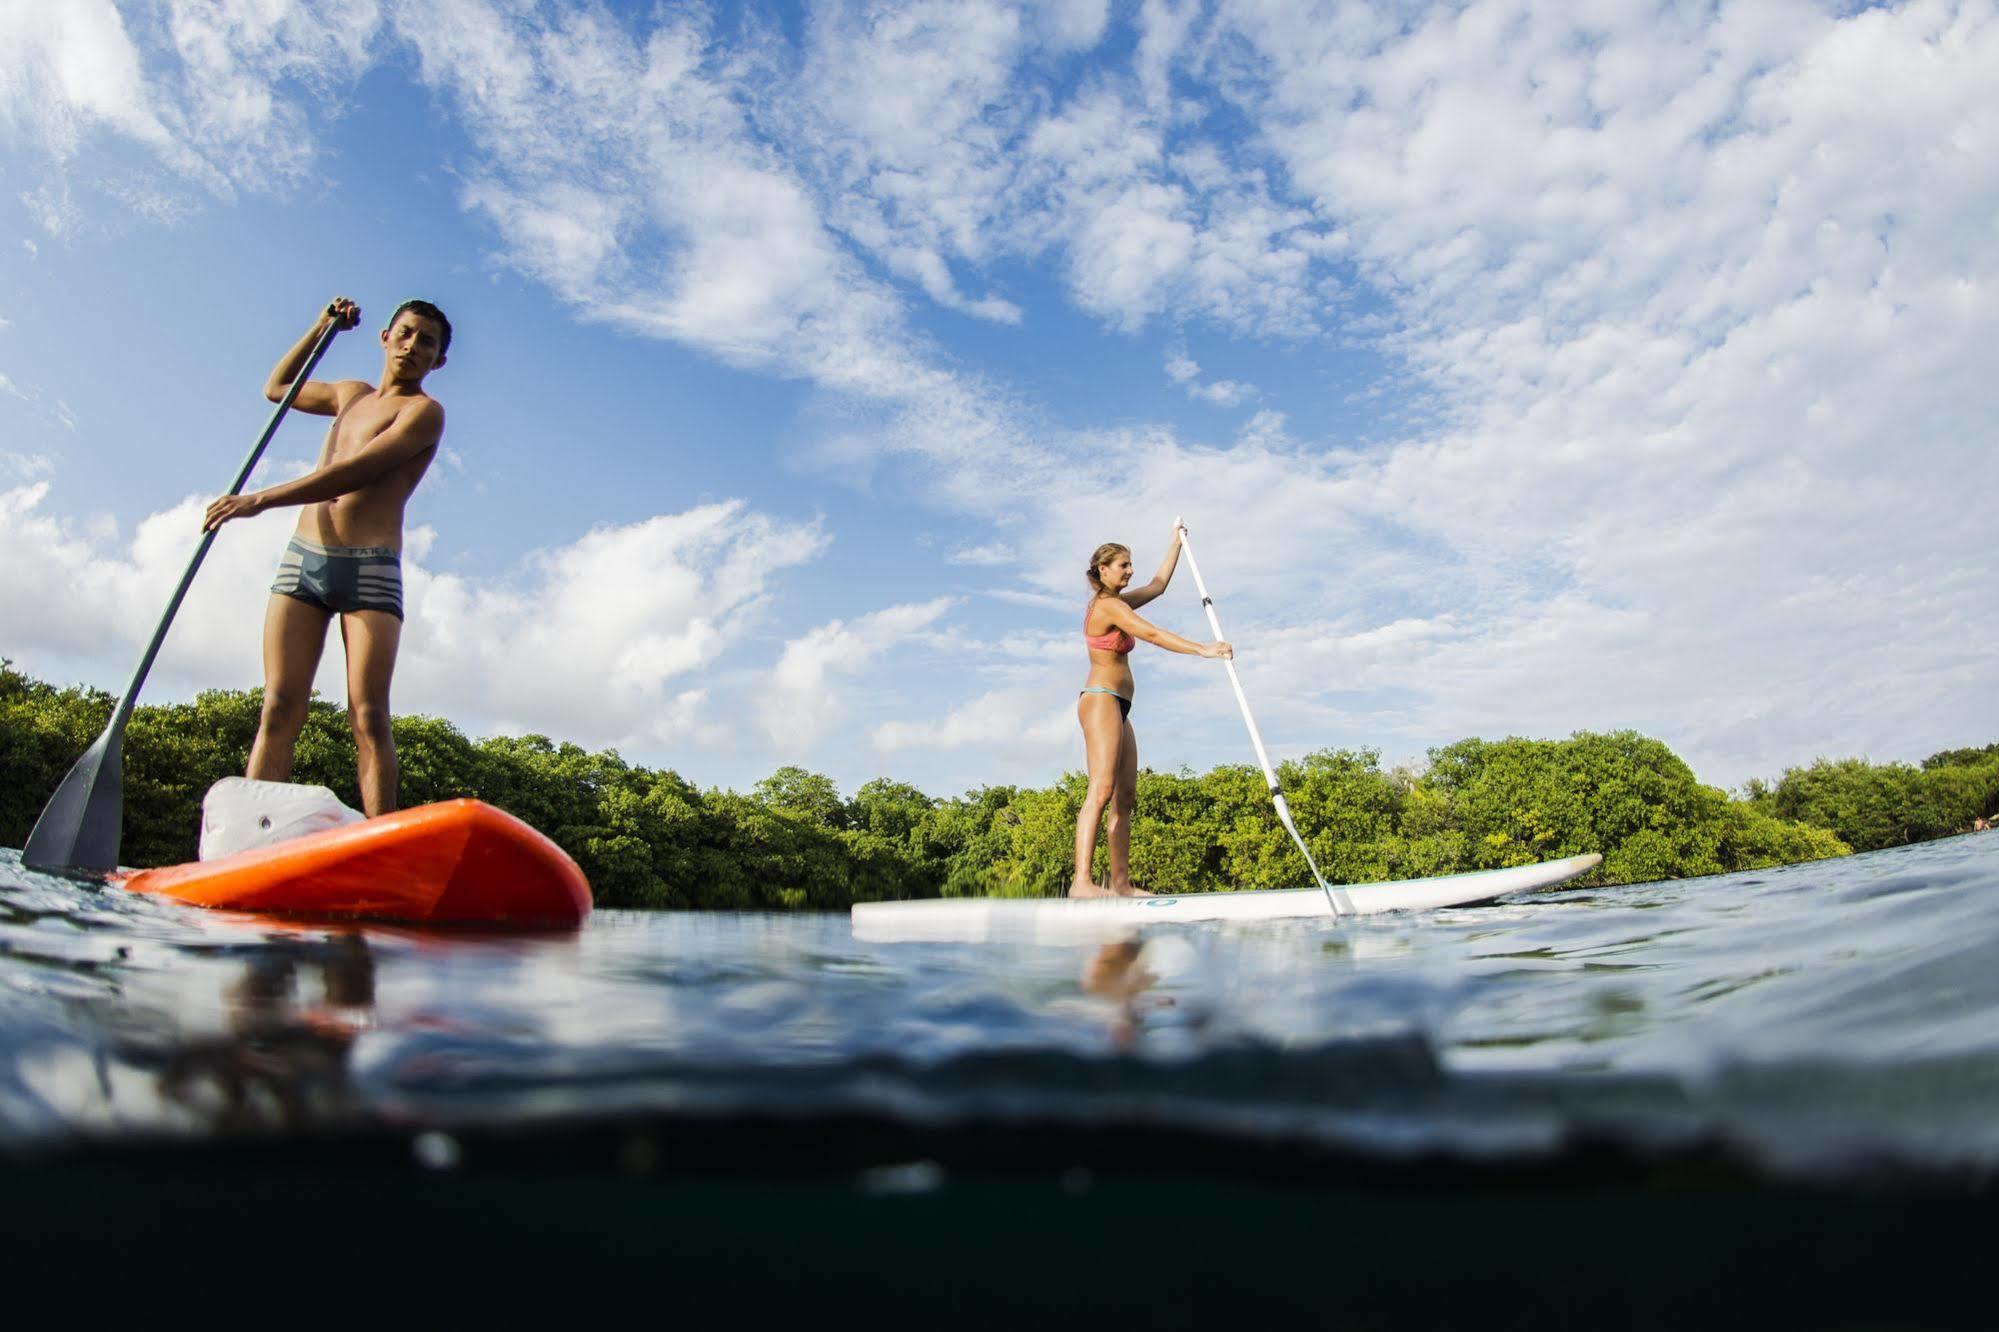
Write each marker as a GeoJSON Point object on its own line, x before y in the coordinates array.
{"type": "Point", "coordinates": [340, 579]}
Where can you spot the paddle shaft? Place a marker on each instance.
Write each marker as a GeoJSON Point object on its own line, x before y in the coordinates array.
{"type": "Point", "coordinates": [82, 824]}
{"type": "Point", "coordinates": [1335, 898]}
{"type": "Point", "coordinates": [208, 537]}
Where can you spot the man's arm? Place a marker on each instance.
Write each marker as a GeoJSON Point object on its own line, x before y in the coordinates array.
{"type": "Point", "coordinates": [1138, 596]}
{"type": "Point", "coordinates": [416, 429]}
{"type": "Point", "coordinates": [315, 397]}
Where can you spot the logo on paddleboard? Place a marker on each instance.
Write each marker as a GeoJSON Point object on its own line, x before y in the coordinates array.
{"type": "Point", "coordinates": [1162, 901]}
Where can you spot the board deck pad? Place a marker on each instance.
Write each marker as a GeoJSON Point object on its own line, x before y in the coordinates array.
{"type": "Point", "coordinates": [1093, 920]}
{"type": "Point", "coordinates": [457, 862]}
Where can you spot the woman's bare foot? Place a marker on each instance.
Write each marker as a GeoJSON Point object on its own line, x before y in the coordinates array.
{"type": "Point", "coordinates": [1105, 890]}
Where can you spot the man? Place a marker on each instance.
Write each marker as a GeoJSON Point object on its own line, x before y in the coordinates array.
{"type": "Point", "coordinates": [345, 557]}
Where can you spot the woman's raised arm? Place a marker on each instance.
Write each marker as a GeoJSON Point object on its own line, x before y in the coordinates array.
{"type": "Point", "coordinates": [1138, 596]}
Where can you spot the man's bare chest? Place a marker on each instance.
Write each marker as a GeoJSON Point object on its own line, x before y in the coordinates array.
{"type": "Point", "coordinates": [359, 425]}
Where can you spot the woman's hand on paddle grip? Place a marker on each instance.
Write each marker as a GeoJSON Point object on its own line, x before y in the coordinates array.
{"type": "Point", "coordinates": [1218, 648]}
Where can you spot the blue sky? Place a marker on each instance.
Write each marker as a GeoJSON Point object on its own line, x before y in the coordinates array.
{"type": "Point", "coordinates": [1518, 371]}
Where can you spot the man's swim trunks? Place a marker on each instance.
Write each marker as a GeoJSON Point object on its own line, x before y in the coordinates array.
{"type": "Point", "coordinates": [340, 579]}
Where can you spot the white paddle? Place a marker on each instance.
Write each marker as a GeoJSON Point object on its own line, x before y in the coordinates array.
{"type": "Point", "coordinates": [1336, 898]}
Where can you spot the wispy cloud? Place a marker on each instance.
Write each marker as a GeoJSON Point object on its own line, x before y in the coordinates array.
{"type": "Point", "coordinates": [993, 553]}
{"type": "Point", "coordinates": [220, 95]}
{"type": "Point", "coordinates": [1183, 370]}
{"type": "Point", "coordinates": [26, 466]}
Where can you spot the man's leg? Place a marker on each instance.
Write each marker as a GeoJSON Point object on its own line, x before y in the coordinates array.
{"type": "Point", "coordinates": [372, 638]}
{"type": "Point", "coordinates": [294, 636]}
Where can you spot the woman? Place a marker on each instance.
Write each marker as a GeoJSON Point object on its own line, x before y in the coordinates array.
{"type": "Point", "coordinates": [1111, 628]}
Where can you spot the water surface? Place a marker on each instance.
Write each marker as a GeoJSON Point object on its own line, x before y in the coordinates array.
{"type": "Point", "coordinates": [1817, 1020]}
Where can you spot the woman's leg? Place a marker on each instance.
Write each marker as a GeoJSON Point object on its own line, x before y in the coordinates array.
{"type": "Point", "coordinates": [1124, 799]}
{"type": "Point", "coordinates": [1103, 733]}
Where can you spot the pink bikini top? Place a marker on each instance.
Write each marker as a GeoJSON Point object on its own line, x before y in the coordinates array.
{"type": "Point", "coordinates": [1117, 640]}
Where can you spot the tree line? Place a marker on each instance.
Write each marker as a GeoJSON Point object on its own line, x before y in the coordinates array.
{"type": "Point", "coordinates": [649, 838]}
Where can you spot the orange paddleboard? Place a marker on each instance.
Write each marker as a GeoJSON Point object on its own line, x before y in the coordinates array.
{"type": "Point", "coordinates": [458, 862]}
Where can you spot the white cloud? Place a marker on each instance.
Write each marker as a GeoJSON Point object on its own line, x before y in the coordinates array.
{"type": "Point", "coordinates": [221, 94]}
{"type": "Point", "coordinates": [1266, 429]}
{"type": "Point", "coordinates": [1185, 371]}
{"type": "Point", "coordinates": [1034, 600]}
{"type": "Point", "coordinates": [904, 115]}
{"type": "Point", "coordinates": [67, 66]}
{"type": "Point", "coordinates": [1156, 216]}
{"type": "Point", "coordinates": [27, 466]}
{"type": "Point", "coordinates": [622, 170]}
{"type": "Point", "coordinates": [1224, 393]}
{"type": "Point", "coordinates": [609, 640]}
{"type": "Point", "coordinates": [801, 702]}
{"type": "Point", "coordinates": [84, 599]}
{"type": "Point", "coordinates": [1003, 720]}
{"type": "Point", "coordinates": [1694, 290]}
{"type": "Point", "coordinates": [1164, 28]}
{"type": "Point", "coordinates": [59, 414]}
{"type": "Point", "coordinates": [592, 641]}
{"type": "Point", "coordinates": [990, 554]}
{"type": "Point", "coordinates": [941, 138]}
{"type": "Point", "coordinates": [1069, 25]}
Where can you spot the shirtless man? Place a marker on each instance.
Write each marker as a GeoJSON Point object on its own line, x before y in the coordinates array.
{"type": "Point", "coordinates": [345, 557]}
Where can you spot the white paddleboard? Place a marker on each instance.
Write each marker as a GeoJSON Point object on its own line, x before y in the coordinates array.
{"type": "Point", "coordinates": [1063, 920]}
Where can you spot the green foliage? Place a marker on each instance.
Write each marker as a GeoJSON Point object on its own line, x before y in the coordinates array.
{"type": "Point", "coordinates": [647, 838]}
{"type": "Point", "coordinates": [1962, 758]}
{"type": "Point", "coordinates": [1870, 806]}
{"type": "Point", "coordinates": [809, 795]}
{"type": "Point", "coordinates": [43, 730]}
{"type": "Point", "coordinates": [1039, 850]}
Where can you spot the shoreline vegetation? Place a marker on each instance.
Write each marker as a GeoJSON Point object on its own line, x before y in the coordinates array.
{"type": "Point", "coordinates": [648, 838]}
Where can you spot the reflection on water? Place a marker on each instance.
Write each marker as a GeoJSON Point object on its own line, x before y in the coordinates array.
{"type": "Point", "coordinates": [1811, 1017]}
{"type": "Point", "coordinates": [281, 1061]}
{"type": "Point", "coordinates": [1116, 972]}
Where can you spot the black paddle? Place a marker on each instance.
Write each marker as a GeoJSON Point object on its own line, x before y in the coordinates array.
{"type": "Point", "coordinates": [82, 824]}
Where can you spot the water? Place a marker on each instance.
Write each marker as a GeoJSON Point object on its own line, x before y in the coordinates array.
{"type": "Point", "coordinates": [1822, 1022]}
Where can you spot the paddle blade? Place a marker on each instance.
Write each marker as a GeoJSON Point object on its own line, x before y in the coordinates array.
{"type": "Point", "coordinates": [81, 825]}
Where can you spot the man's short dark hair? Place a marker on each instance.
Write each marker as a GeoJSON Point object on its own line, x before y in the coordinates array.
{"type": "Point", "coordinates": [428, 311]}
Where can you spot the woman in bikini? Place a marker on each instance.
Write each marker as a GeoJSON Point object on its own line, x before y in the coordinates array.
{"type": "Point", "coordinates": [1111, 628]}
